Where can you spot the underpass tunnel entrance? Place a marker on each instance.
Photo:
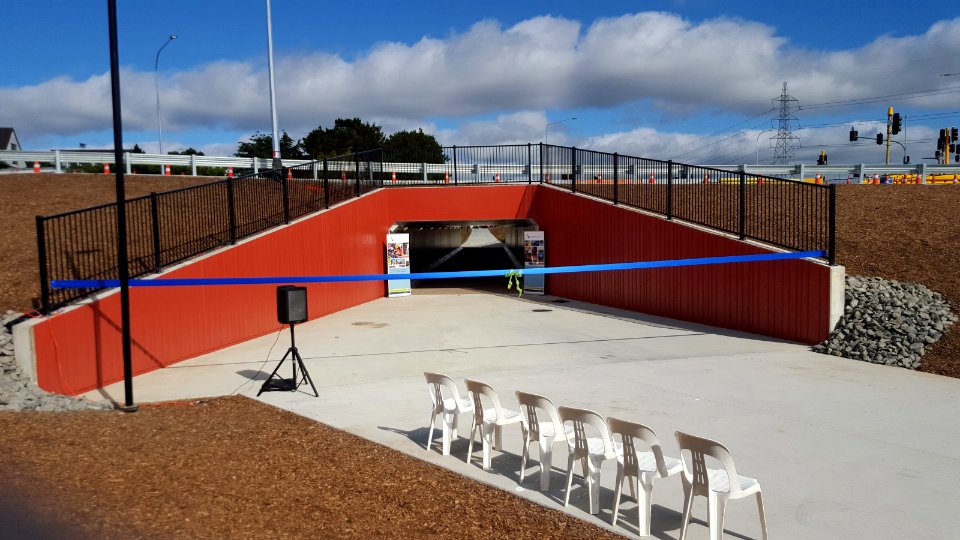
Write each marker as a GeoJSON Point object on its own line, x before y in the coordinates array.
{"type": "Point", "coordinates": [456, 246]}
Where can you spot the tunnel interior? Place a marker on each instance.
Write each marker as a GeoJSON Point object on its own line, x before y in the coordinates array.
{"type": "Point", "coordinates": [455, 246]}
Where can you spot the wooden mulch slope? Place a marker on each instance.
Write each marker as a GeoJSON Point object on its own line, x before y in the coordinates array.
{"type": "Point", "coordinates": [236, 468]}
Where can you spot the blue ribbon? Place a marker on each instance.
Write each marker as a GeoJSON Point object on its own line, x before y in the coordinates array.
{"type": "Point", "coordinates": [188, 282]}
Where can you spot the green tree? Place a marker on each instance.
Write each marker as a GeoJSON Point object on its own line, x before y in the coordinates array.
{"type": "Point", "coordinates": [261, 145]}
{"type": "Point", "coordinates": [188, 152]}
{"type": "Point", "coordinates": [345, 137]}
{"type": "Point", "coordinates": [414, 147]}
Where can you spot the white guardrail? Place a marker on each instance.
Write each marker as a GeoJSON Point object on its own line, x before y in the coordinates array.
{"type": "Point", "coordinates": [62, 159]}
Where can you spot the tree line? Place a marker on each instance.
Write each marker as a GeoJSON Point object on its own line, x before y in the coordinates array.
{"type": "Point", "coordinates": [347, 136]}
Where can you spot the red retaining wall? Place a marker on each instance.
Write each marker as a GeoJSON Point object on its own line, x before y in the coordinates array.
{"type": "Point", "coordinates": [785, 299]}
{"type": "Point", "coordinates": [79, 349]}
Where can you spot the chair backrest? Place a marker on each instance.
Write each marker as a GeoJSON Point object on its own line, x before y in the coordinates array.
{"type": "Point", "coordinates": [696, 471]}
{"type": "Point", "coordinates": [580, 418]}
{"type": "Point", "coordinates": [629, 432]}
{"type": "Point", "coordinates": [529, 405]}
{"type": "Point", "coordinates": [478, 389]}
{"type": "Point", "coordinates": [437, 384]}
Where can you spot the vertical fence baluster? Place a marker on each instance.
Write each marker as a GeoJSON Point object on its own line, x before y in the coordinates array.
{"type": "Point", "coordinates": [326, 185]}
{"type": "Point", "coordinates": [231, 212]}
{"type": "Point", "coordinates": [616, 178]}
{"type": "Point", "coordinates": [832, 226]}
{"type": "Point", "coordinates": [44, 273]}
{"type": "Point", "coordinates": [155, 230]}
{"type": "Point", "coordinates": [743, 205]}
{"type": "Point", "coordinates": [573, 169]}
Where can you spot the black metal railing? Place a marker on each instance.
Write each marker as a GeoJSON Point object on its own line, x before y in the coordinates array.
{"type": "Point", "coordinates": [170, 227]}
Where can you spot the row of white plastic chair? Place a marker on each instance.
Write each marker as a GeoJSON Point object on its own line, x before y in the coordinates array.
{"type": "Point", "coordinates": [591, 441]}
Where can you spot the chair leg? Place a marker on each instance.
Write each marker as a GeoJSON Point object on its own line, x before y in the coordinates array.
{"type": "Point", "coordinates": [433, 419]}
{"type": "Point", "coordinates": [716, 505]}
{"type": "Point", "coordinates": [448, 422]}
{"type": "Point", "coordinates": [487, 432]}
{"type": "Point", "coordinates": [644, 503]}
{"type": "Point", "coordinates": [618, 487]}
{"type": "Point", "coordinates": [594, 485]}
{"type": "Point", "coordinates": [473, 430]}
{"type": "Point", "coordinates": [546, 463]}
{"type": "Point", "coordinates": [526, 456]}
{"type": "Point", "coordinates": [499, 445]}
{"type": "Point", "coordinates": [763, 520]}
{"type": "Point", "coordinates": [687, 509]}
{"type": "Point", "coordinates": [566, 498]}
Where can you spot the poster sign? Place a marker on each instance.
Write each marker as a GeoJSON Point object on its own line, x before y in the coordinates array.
{"type": "Point", "coordinates": [534, 256]}
{"type": "Point", "coordinates": [398, 262]}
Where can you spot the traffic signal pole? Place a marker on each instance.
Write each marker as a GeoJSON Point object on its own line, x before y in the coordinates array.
{"type": "Point", "coordinates": [889, 119]}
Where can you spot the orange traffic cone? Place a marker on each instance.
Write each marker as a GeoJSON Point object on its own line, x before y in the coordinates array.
{"type": "Point", "coordinates": [36, 167]}
{"type": "Point", "coordinates": [229, 172]}
{"type": "Point", "coordinates": [651, 178]}
{"type": "Point", "coordinates": [706, 178]}
{"type": "Point", "coordinates": [393, 177]}
{"type": "Point", "coordinates": [106, 168]}
{"type": "Point", "coordinates": [446, 177]}
{"type": "Point", "coordinates": [289, 174]}
{"type": "Point", "coordinates": [343, 176]}
{"type": "Point", "coordinates": [166, 170]}
{"type": "Point", "coordinates": [876, 179]}
{"type": "Point", "coordinates": [548, 178]}
{"type": "Point", "coordinates": [848, 179]}
{"type": "Point", "coordinates": [760, 181]}
{"type": "Point", "coordinates": [496, 177]}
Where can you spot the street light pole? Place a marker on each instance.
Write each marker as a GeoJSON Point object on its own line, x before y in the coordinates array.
{"type": "Point", "coordinates": [758, 143]}
{"type": "Point", "coordinates": [546, 129]}
{"type": "Point", "coordinates": [273, 100]}
{"type": "Point", "coordinates": [156, 81]}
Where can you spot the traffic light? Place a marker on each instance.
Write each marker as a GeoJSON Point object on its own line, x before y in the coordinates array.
{"type": "Point", "coordinates": [879, 138]}
{"type": "Point", "coordinates": [854, 135]}
{"type": "Point", "coordinates": [822, 159]}
{"type": "Point", "coordinates": [953, 134]}
{"type": "Point", "coordinates": [895, 128]}
{"type": "Point", "coordinates": [953, 148]}
{"type": "Point", "coordinates": [906, 160]}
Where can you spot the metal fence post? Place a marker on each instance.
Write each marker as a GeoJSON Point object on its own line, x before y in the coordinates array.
{"type": "Point", "coordinates": [326, 185]}
{"type": "Point", "coordinates": [155, 229]}
{"type": "Point", "coordinates": [44, 273]}
{"type": "Point", "coordinates": [231, 213]}
{"type": "Point", "coordinates": [616, 178]}
{"type": "Point", "coordinates": [286, 195]}
{"type": "Point", "coordinates": [670, 189]}
{"type": "Point", "coordinates": [193, 164]}
{"type": "Point", "coordinates": [455, 177]}
{"type": "Point", "coordinates": [742, 199]}
{"type": "Point", "coordinates": [542, 175]}
{"type": "Point", "coordinates": [356, 167]}
{"type": "Point", "coordinates": [128, 163]}
{"type": "Point", "coordinates": [529, 163]}
{"type": "Point", "coordinates": [56, 161]}
{"type": "Point", "coordinates": [573, 169]}
{"type": "Point", "coordinates": [832, 232]}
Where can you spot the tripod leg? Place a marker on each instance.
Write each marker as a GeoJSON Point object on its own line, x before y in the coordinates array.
{"type": "Point", "coordinates": [306, 374]}
{"type": "Point", "coordinates": [274, 374]}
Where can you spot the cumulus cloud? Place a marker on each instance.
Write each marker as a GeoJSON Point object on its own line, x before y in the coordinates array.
{"type": "Point", "coordinates": [660, 59]}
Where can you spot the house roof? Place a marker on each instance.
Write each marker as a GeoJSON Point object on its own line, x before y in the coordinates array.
{"type": "Point", "coordinates": [6, 133]}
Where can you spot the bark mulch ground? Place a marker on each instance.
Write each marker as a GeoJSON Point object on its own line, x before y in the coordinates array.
{"type": "Point", "coordinates": [236, 468]}
{"type": "Point", "coordinates": [232, 467]}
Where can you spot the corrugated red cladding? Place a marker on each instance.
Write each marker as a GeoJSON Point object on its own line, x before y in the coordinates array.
{"type": "Point", "coordinates": [79, 350]}
{"type": "Point", "coordinates": [784, 299]}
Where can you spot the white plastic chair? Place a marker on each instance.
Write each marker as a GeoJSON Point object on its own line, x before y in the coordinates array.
{"type": "Point", "coordinates": [540, 424]}
{"type": "Point", "coordinates": [718, 485]}
{"type": "Point", "coordinates": [448, 403]}
{"type": "Point", "coordinates": [590, 451]}
{"type": "Point", "coordinates": [488, 421]}
{"type": "Point", "coordinates": [641, 466]}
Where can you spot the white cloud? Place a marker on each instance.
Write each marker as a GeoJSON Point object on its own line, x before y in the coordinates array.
{"type": "Point", "coordinates": [660, 59]}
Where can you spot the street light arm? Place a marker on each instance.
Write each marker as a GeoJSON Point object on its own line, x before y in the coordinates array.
{"type": "Point", "coordinates": [546, 129]}
{"type": "Point", "coordinates": [156, 83]}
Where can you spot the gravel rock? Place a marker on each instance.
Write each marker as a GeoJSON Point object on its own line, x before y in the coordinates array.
{"type": "Point", "coordinates": [19, 393]}
{"type": "Point", "coordinates": [888, 322]}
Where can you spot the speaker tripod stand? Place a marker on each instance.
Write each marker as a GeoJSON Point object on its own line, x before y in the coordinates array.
{"type": "Point", "coordinates": [276, 383]}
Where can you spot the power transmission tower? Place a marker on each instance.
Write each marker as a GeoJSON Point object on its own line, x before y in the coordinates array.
{"type": "Point", "coordinates": [786, 141]}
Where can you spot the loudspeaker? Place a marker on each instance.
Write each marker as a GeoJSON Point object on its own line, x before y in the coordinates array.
{"type": "Point", "coordinates": [291, 304]}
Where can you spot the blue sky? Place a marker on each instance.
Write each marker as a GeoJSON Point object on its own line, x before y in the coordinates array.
{"type": "Point", "coordinates": [655, 79]}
